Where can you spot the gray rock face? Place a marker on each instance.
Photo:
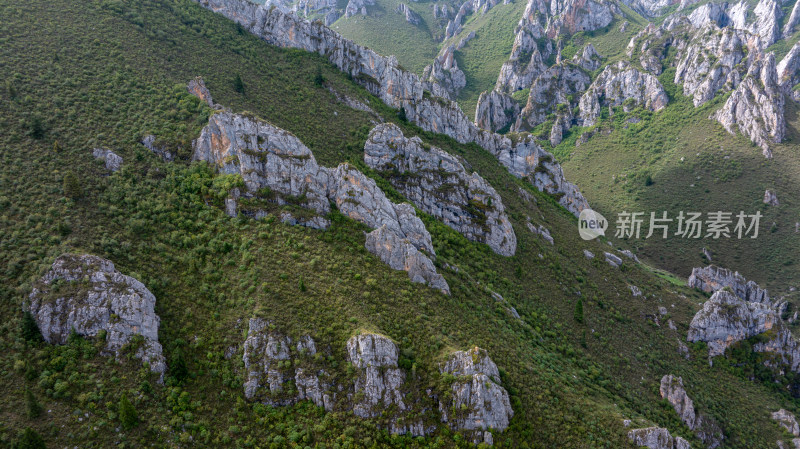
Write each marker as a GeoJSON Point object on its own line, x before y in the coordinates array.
{"type": "Point", "coordinates": [411, 17]}
{"type": "Point", "coordinates": [789, 67]}
{"type": "Point", "coordinates": [771, 198]}
{"type": "Point", "coordinates": [551, 92]}
{"type": "Point", "coordinates": [495, 110]}
{"type": "Point", "coordinates": [787, 420]}
{"type": "Point", "coordinates": [572, 16]}
{"type": "Point", "coordinates": [439, 184]}
{"type": "Point", "coordinates": [113, 160]}
{"type": "Point", "coordinates": [726, 319]}
{"type": "Point", "coordinates": [756, 106]}
{"type": "Point", "coordinates": [541, 230]}
{"type": "Point", "coordinates": [706, 428]}
{"type": "Point", "coordinates": [657, 438]}
{"type": "Point", "coordinates": [613, 260]}
{"type": "Point", "coordinates": [477, 389]}
{"type": "Point", "coordinates": [86, 293]}
{"type": "Point", "coordinates": [621, 85]}
{"type": "Point", "coordinates": [767, 15]}
{"type": "Point", "coordinates": [713, 278]}
{"type": "Point", "coordinates": [198, 88]}
{"type": "Point", "coordinates": [357, 7]}
{"type": "Point", "coordinates": [266, 356]}
{"type": "Point", "coordinates": [380, 380]}
{"type": "Point", "coordinates": [791, 23]}
{"type": "Point", "coordinates": [272, 159]}
{"type": "Point", "coordinates": [383, 77]}
{"type": "Point", "coordinates": [466, 8]}
{"type": "Point", "coordinates": [649, 8]}
{"type": "Point", "coordinates": [445, 72]}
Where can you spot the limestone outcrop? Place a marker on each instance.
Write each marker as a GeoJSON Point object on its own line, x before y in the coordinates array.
{"type": "Point", "coordinates": [411, 17]}
{"type": "Point", "coordinates": [86, 294]}
{"type": "Point", "coordinates": [789, 69]}
{"type": "Point", "coordinates": [657, 438]}
{"type": "Point", "coordinates": [444, 71]}
{"type": "Point", "coordinates": [276, 167]}
{"type": "Point", "coordinates": [621, 85]}
{"type": "Point", "coordinates": [396, 87]}
{"type": "Point", "coordinates": [380, 380]}
{"type": "Point", "coordinates": [158, 148]}
{"type": "Point", "coordinates": [197, 87]}
{"type": "Point", "coordinates": [756, 106]}
{"type": "Point", "coordinates": [787, 420]}
{"type": "Point", "coordinates": [495, 110]}
{"type": "Point", "coordinates": [712, 278]}
{"type": "Point", "coordinates": [477, 400]}
{"type": "Point", "coordinates": [555, 90]}
{"type": "Point", "coordinates": [704, 427]}
{"type": "Point", "coordinates": [112, 160]}
{"type": "Point", "coordinates": [439, 184]}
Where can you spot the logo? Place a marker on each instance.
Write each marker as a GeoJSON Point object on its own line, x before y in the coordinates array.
{"type": "Point", "coordinates": [591, 224]}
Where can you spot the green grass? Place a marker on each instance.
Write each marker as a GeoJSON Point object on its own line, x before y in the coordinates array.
{"type": "Point", "coordinates": [571, 383]}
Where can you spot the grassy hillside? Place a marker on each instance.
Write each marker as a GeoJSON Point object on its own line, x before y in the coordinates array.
{"type": "Point", "coordinates": [693, 164]}
{"type": "Point", "coordinates": [81, 75]}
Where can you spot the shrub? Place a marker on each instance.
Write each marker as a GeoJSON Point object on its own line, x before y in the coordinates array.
{"type": "Point", "coordinates": [238, 84]}
{"type": "Point", "coordinates": [127, 413]}
{"type": "Point", "coordinates": [72, 186]}
{"type": "Point", "coordinates": [29, 329]}
{"type": "Point", "coordinates": [32, 405]}
{"type": "Point", "coordinates": [578, 314]}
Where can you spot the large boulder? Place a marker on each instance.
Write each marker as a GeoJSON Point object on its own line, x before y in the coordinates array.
{"type": "Point", "coordinates": [477, 401]}
{"type": "Point", "coordinates": [112, 160]}
{"type": "Point", "coordinates": [439, 184]}
{"type": "Point", "coordinates": [87, 295]}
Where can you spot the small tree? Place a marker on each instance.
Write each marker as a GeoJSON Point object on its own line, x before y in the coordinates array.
{"type": "Point", "coordinates": [177, 365]}
{"type": "Point", "coordinates": [127, 413]}
{"type": "Point", "coordinates": [578, 315]}
{"type": "Point", "coordinates": [318, 78]}
{"type": "Point", "coordinates": [29, 439]}
{"type": "Point", "coordinates": [29, 329]}
{"type": "Point", "coordinates": [238, 84]}
{"type": "Point", "coordinates": [56, 147]}
{"type": "Point", "coordinates": [72, 186]}
{"type": "Point", "coordinates": [32, 405]}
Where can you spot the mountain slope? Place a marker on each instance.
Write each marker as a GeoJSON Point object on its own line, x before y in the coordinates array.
{"type": "Point", "coordinates": [572, 377]}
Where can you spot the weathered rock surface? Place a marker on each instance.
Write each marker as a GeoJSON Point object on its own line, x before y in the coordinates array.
{"type": "Point", "coordinates": [657, 438]}
{"type": "Point", "coordinates": [265, 354]}
{"type": "Point", "coordinates": [112, 160]}
{"type": "Point", "coordinates": [756, 106]}
{"type": "Point", "coordinates": [495, 110]}
{"type": "Point", "coordinates": [269, 158]}
{"type": "Point", "coordinates": [789, 67]}
{"type": "Point", "coordinates": [87, 294]}
{"type": "Point", "coordinates": [380, 380]}
{"type": "Point", "coordinates": [621, 85]}
{"type": "Point", "coordinates": [396, 87]}
{"type": "Point", "coordinates": [792, 21]}
{"type": "Point", "coordinates": [572, 16]}
{"type": "Point", "coordinates": [541, 230]}
{"type": "Point", "coordinates": [787, 420]}
{"type": "Point", "coordinates": [445, 72]}
{"type": "Point", "coordinates": [766, 15]}
{"type": "Point", "coordinates": [467, 8]}
{"type": "Point", "coordinates": [553, 91]}
{"type": "Point", "coordinates": [478, 401]}
{"type": "Point", "coordinates": [713, 278]}
{"type": "Point", "coordinates": [439, 184]}
{"type": "Point", "coordinates": [411, 17]}
{"type": "Point", "coordinates": [613, 260]}
{"type": "Point", "coordinates": [704, 427]}
{"type": "Point", "coordinates": [357, 7]}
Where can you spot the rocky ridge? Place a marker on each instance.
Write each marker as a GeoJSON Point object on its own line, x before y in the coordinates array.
{"type": "Point", "coordinates": [276, 167]}
{"type": "Point", "coordinates": [383, 77]}
{"type": "Point", "coordinates": [656, 438]}
{"type": "Point", "coordinates": [439, 184]}
{"type": "Point", "coordinates": [87, 295]}
{"type": "Point", "coordinates": [444, 71]}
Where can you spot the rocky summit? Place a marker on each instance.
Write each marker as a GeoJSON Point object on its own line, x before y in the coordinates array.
{"type": "Point", "coordinates": [86, 295]}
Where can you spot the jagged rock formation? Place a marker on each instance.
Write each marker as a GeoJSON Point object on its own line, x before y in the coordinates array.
{"type": "Point", "coordinates": [112, 160]}
{"type": "Point", "coordinates": [439, 184]}
{"type": "Point", "coordinates": [380, 380]}
{"type": "Point", "coordinates": [657, 438]}
{"type": "Point", "coordinates": [357, 7]}
{"type": "Point", "coordinates": [713, 278]}
{"type": "Point", "coordinates": [767, 15]}
{"type": "Point", "coordinates": [621, 85]}
{"type": "Point", "coordinates": [478, 401]}
{"type": "Point", "coordinates": [495, 110]}
{"type": "Point", "coordinates": [792, 22]}
{"type": "Point", "coordinates": [704, 427]}
{"type": "Point", "coordinates": [411, 17]}
{"type": "Point", "coordinates": [649, 8]}
{"type": "Point", "coordinates": [445, 72]}
{"type": "Point", "coordinates": [464, 40]}
{"type": "Point", "coordinates": [277, 167]}
{"type": "Point", "coordinates": [398, 88]}
{"type": "Point", "coordinates": [197, 87]}
{"type": "Point", "coordinates": [771, 198]}
{"type": "Point", "coordinates": [787, 420]}
{"type": "Point", "coordinates": [572, 16]}
{"type": "Point", "coordinates": [87, 295]}
{"type": "Point", "coordinates": [756, 106]}
{"type": "Point", "coordinates": [789, 69]}
{"type": "Point", "coordinates": [467, 8]}
{"type": "Point", "coordinates": [726, 319]}
{"type": "Point", "coordinates": [265, 351]}
{"type": "Point", "coordinates": [551, 92]}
